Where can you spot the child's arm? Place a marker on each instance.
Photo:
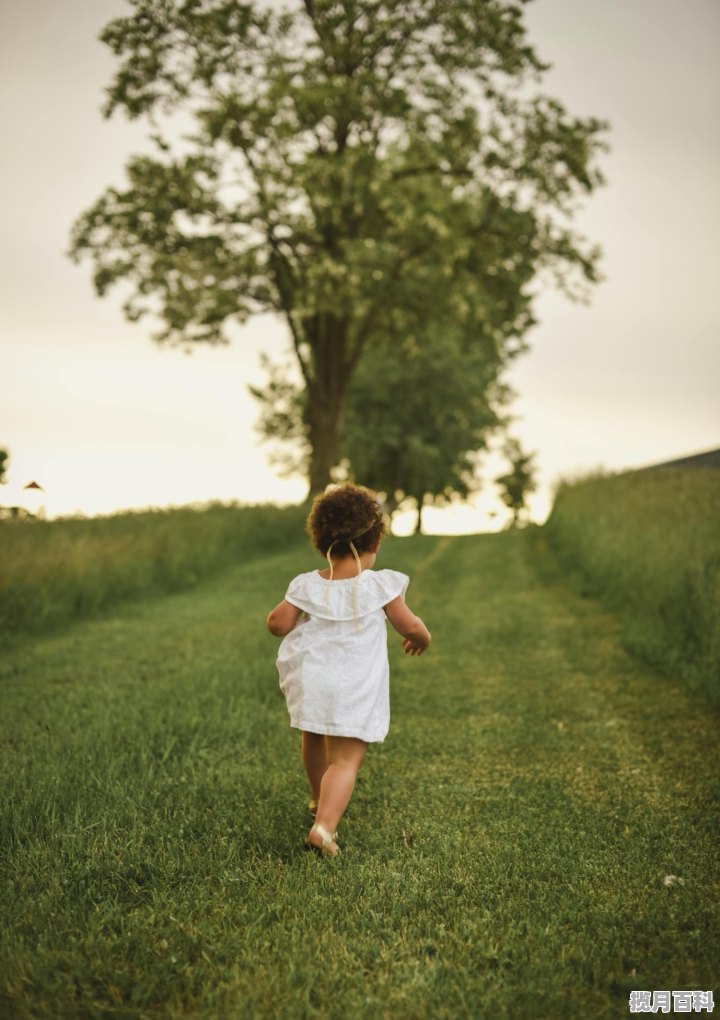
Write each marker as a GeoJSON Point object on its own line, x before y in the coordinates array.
{"type": "Point", "coordinates": [283, 618]}
{"type": "Point", "coordinates": [408, 625]}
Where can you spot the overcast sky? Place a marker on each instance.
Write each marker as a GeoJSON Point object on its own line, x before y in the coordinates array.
{"type": "Point", "coordinates": [103, 419]}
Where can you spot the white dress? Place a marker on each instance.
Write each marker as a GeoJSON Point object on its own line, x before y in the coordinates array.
{"type": "Point", "coordinates": [333, 665]}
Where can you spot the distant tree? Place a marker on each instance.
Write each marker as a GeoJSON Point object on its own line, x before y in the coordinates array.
{"type": "Point", "coordinates": [420, 414]}
{"type": "Point", "coordinates": [345, 158]}
{"type": "Point", "coordinates": [519, 482]}
{"type": "Point", "coordinates": [4, 459]}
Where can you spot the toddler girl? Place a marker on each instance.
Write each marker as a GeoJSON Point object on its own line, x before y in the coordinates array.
{"type": "Point", "coordinates": [333, 660]}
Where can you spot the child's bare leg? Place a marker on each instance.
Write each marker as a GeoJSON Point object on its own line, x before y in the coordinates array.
{"type": "Point", "coordinates": [345, 756]}
{"type": "Point", "coordinates": [314, 759]}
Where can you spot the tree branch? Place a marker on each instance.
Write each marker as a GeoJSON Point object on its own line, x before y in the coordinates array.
{"type": "Point", "coordinates": [283, 269]}
{"type": "Point", "coordinates": [414, 171]}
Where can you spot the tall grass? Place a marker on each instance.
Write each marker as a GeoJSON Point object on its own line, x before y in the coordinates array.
{"type": "Point", "coordinates": [52, 572]}
{"type": "Point", "coordinates": [648, 544]}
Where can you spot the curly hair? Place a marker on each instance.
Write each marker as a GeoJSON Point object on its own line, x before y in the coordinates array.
{"type": "Point", "coordinates": [344, 514]}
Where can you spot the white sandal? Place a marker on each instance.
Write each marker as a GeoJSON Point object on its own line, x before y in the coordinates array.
{"type": "Point", "coordinates": [327, 841]}
{"type": "Point", "coordinates": [312, 808]}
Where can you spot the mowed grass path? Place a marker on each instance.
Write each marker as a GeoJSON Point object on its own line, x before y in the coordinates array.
{"type": "Point", "coordinates": [505, 855]}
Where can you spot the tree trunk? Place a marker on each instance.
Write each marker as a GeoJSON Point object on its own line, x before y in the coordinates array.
{"type": "Point", "coordinates": [418, 522]}
{"type": "Point", "coordinates": [327, 415]}
{"type": "Point", "coordinates": [325, 435]}
{"type": "Point", "coordinates": [326, 398]}
{"type": "Point", "coordinates": [391, 505]}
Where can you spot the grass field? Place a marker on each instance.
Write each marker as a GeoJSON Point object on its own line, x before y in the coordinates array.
{"type": "Point", "coordinates": [534, 839]}
{"type": "Point", "coordinates": [647, 543]}
{"type": "Point", "coordinates": [57, 571]}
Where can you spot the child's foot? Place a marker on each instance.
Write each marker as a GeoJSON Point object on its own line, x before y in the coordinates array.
{"type": "Point", "coordinates": [323, 841]}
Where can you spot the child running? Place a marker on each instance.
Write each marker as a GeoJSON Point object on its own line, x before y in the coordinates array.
{"type": "Point", "coordinates": [333, 660]}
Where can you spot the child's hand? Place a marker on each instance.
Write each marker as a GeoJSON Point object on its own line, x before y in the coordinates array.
{"type": "Point", "coordinates": [413, 647]}
{"type": "Point", "coordinates": [416, 637]}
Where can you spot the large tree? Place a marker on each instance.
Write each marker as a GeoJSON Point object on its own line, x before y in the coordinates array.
{"type": "Point", "coordinates": [345, 158]}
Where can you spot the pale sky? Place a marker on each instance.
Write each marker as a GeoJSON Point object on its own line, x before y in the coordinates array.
{"type": "Point", "coordinates": [103, 419]}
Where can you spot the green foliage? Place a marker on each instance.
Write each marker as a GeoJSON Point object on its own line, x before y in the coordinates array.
{"type": "Point", "coordinates": [519, 482]}
{"type": "Point", "coordinates": [57, 571]}
{"type": "Point", "coordinates": [345, 159]}
{"type": "Point", "coordinates": [4, 458]}
{"type": "Point", "coordinates": [420, 412]}
{"type": "Point", "coordinates": [283, 420]}
{"type": "Point", "coordinates": [506, 850]}
{"type": "Point", "coordinates": [647, 542]}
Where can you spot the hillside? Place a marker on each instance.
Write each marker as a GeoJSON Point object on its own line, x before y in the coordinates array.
{"type": "Point", "coordinates": [647, 543]}
{"type": "Point", "coordinates": [707, 459]}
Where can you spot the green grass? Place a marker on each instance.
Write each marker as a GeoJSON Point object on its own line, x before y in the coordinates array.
{"type": "Point", "coordinates": [504, 855]}
{"type": "Point", "coordinates": [67, 569]}
{"type": "Point", "coordinates": [648, 544]}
